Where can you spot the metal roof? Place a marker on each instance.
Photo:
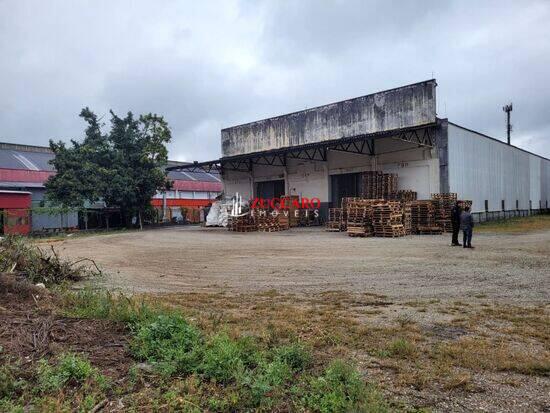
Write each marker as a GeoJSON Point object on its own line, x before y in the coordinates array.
{"type": "Point", "coordinates": [31, 158]}
{"type": "Point", "coordinates": [30, 161]}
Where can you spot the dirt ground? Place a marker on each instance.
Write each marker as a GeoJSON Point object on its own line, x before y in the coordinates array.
{"type": "Point", "coordinates": [30, 329]}
{"type": "Point", "coordinates": [507, 268]}
{"type": "Point", "coordinates": [434, 326]}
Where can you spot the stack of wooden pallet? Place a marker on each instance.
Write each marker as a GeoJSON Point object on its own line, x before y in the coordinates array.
{"type": "Point", "coordinates": [405, 195]}
{"type": "Point", "coordinates": [345, 201]}
{"type": "Point", "coordinates": [376, 185]}
{"type": "Point", "coordinates": [407, 224]}
{"type": "Point", "coordinates": [423, 218]}
{"type": "Point", "coordinates": [387, 219]}
{"type": "Point", "coordinates": [371, 184]}
{"type": "Point", "coordinates": [291, 202]}
{"type": "Point", "coordinates": [268, 221]}
{"type": "Point", "coordinates": [358, 224]}
{"type": "Point", "coordinates": [243, 223]}
{"type": "Point", "coordinates": [334, 222]}
{"type": "Point", "coordinates": [443, 204]}
{"type": "Point", "coordinates": [389, 186]}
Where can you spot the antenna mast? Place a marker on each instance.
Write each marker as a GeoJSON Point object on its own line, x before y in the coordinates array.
{"type": "Point", "coordinates": [508, 109]}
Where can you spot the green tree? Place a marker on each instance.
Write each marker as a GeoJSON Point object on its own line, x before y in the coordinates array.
{"type": "Point", "coordinates": [124, 167]}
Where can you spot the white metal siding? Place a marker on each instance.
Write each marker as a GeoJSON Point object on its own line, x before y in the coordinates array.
{"type": "Point", "coordinates": [482, 169]}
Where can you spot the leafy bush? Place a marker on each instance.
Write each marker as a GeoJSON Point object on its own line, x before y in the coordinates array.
{"type": "Point", "coordinates": [169, 342]}
{"type": "Point", "coordinates": [340, 389]}
{"type": "Point", "coordinates": [225, 359]}
{"type": "Point", "coordinates": [9, 383]}
{"type": "Point", "coordinates": [69, 369]}
{"type": "Point", "coordinates": [16, 254]}
{"type": "Point", "coordinates": [295, 355]}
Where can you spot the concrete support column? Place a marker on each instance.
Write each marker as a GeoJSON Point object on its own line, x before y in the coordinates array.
{"type": "Point", "coordinates": [442, 145]}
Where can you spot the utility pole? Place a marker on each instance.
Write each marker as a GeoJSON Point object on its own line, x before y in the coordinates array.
{"type": "Point", "coordinates": [508, 109]}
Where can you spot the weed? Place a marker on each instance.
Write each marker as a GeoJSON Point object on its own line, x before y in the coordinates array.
{"type": "Point", "coordinates": [496, 356]}
{"type": "Point", "coordinates": [10, 384]}
{"type": "Point", "coordinates": [296, 356]}
{"type": "Point", "coordinates": [102, 304]}
{"type": "Point", "coordinates": [225, 359]}
{"type": "Point", "coordinates": [69, 369]}
{"type": "Point", "coordinates": [401, 348]}
{"type": "Point", "coordinates": [340, 389]}
{"type": "Point", "coordinates": [169, 342]}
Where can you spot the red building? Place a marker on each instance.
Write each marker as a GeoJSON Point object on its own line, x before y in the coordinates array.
{"type": "Point", "coordinates": [15, 212]}
{"type": "Point", "coordinates": [26, 168]}
{"type": "Point", "coordinates": [190, 192]}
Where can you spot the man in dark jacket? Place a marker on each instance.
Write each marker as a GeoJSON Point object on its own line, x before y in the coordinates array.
{"type": "Point", "coordinates": [455, 222]}
{"type": "Point", "coordinates": [466, 225]}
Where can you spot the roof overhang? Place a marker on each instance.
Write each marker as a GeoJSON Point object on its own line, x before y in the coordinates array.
{"type": "Point", "coordinates": [419, 136]}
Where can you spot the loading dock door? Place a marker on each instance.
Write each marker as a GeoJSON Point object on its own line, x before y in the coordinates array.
{"type": "Point", "coordinates": [270, 189]}
{"type": "Point", "coordinates": [344, 185]}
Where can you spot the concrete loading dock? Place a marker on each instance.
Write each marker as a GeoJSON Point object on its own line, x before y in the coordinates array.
{"type": "Point", "coordinates": [320, 152]}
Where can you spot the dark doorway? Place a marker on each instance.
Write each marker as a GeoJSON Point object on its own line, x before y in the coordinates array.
{"type": "Point", "coordinates": [270, 189]}
{"type": "Point", "coordinates": [344, 185]}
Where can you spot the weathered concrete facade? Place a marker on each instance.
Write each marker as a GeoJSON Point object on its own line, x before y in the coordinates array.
{"type": "Point", "coordinates": [487, 171]}
{"type": "Point", "coordinates": [407, 106]}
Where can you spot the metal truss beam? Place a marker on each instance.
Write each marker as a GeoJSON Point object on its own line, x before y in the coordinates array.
{"type": "Point", "coordinates": [361, 144]}
{"type": "Point", "coordinates": [361, 147]}
{"type": "Point", "coordinates": [270, 160]}
{"type": "Point", "coordinates": [421, 137]}
{"type": "Point", "coordinates": [312, 154]}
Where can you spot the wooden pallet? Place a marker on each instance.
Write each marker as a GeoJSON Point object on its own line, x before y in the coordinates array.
{"type": "Point", "coordinates": [426, 230]}
{"type": "Point", "coordinates": [243, 223]}
{"type": "Point", "coordinates": [334, 222]}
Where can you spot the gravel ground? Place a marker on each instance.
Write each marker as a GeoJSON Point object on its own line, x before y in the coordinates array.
{"type": "Point", "coordinates": [507, 268]}
{"type": "Point", "coordinates": [424, 280]}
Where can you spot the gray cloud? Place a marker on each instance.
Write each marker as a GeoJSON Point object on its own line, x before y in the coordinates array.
{"type": "Point", "coordinates": [208, 65]}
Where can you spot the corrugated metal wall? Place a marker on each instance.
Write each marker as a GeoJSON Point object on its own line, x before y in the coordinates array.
{"type": "Point", "coordinates": [481, 168]}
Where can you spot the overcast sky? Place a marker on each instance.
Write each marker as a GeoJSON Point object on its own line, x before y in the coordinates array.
{"type": "Point", "coordinates": [206, 65]}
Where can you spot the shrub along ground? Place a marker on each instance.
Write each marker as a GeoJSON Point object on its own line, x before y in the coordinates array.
{"type": "Point", "coordinates": [180, 367]}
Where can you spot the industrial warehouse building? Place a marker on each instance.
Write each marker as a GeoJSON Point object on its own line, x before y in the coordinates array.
{"type": "Point", "coordinates": [24, 170]}
{"type": "Point", "coordinates": [321, 152]}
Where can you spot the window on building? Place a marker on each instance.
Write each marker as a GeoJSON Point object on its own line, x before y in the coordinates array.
{"type": "Point", "coordinates": [503, 205]}
{"type": "Point", "coordinates": [530, 204]}
{"type": "Point", "coordinates": [201, 195]}
{"type": "Point", "coordinates": [517, 203]}
{"type": "Point", "coordinates": [486, 205]}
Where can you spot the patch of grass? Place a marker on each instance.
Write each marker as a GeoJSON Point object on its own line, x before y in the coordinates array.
{"type": "Point", "coordinates": [516, 225]}
{"type": "Point", "coordinates": [102, 304]}
{"type": "Point", "coordinates": [484, 354]}
{"type": "Point", "coordinates": [226, 360]}
{"type": "Point", "coordinates": [341, 389]}
{"type": "Point", "coordinates": [169, 342]}
{"type": "Point", "coordinates": [69, 369]}
{"type": "Point", "coordinates": [401, 348]}
{"type": "Point", "coordinates": [222, 371]}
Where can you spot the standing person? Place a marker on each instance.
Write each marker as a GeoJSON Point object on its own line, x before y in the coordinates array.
{"type": "Point", "coordinates": [455, 222]}
{"type": "Point", "coordinates": [467, 225]}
